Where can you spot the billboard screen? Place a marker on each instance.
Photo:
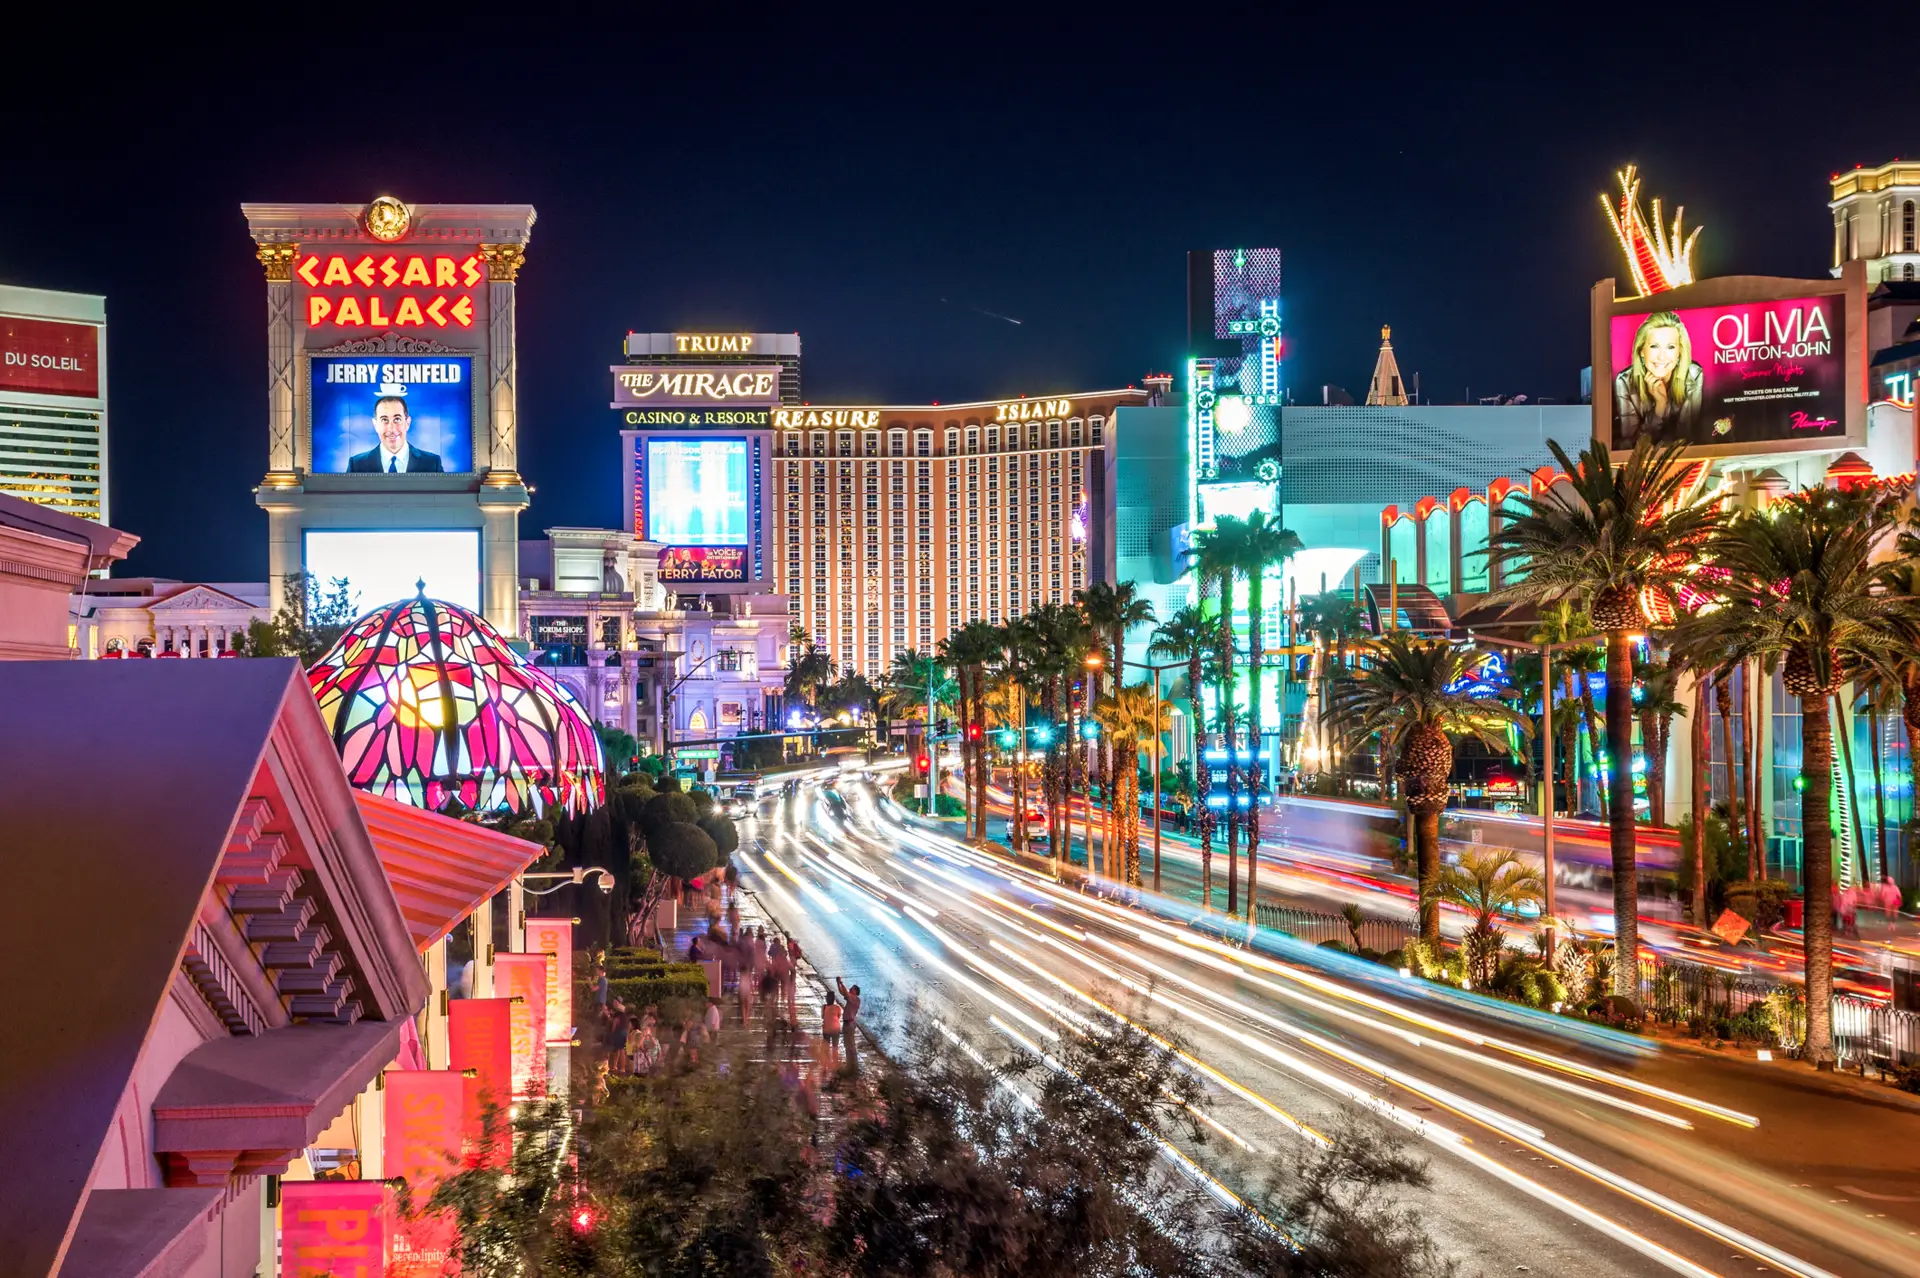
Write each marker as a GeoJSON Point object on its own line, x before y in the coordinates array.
{"type": "Point", "coordinates": [703, 563]}
{"type": "Point", "coordinates": [389, 414]}
{"type": "Point", "coordinates": [697, 492]}
{"type": "Point", "coordinates": [1743, 372]}
{"type": "Point", "coordinates": [383, 566]}
{"type": "Point", "coordinates": [49, 357]}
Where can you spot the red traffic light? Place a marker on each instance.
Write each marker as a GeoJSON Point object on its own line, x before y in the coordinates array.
{"type": "Point", "coordinates": [974, 732]}
{"type": "Point", "coordinates": [923, 763]}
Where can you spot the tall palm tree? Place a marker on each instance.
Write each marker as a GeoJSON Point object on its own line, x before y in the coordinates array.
{"type": "Point", "coordinates": [1189, 634]}
{"type": "Point", "coordinates": [1334, 619]}
{"type": "Point", "coordinates": [970, 650]}
{"type": "Point", "coordinates": [1401, 692]}
{"type": "Point", "coordinates": [1217, 556]}
{"type": "Point", "coordinates": [1265, 544]}
{"type": "Point", "coordinates": [917, 686]}
{"type": "Point", "coordinates": [1130, 716]}
{"type": "Point", "coordinates": [1654, 704]}
{"type": "Point", "coordinates": [1017, 676]}
{"type": "Point", "coordinates": [1111, 610]}
{"type": "Point", "coordinates": [1603, 538]}
{"type": "Point", "coordinates": [1800, 589]}
{"type": "Point", "coordinates": [1560, 622]}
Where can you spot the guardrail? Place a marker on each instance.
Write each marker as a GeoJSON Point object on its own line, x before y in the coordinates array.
{"type": "Point", "coordinates": [1316, 928]}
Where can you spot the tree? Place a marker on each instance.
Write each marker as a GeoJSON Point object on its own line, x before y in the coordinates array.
{"type": "Point", "coordinates": [1189, 634]}
{"type": "Point", "coordinates": [1334, 620]}
{"type": "Point", "coordinates": [619, 747]}
{"type": "Point", "coordinates": [1111, 610]}
{"type": "Point", "coordinates": [666, 808]}
{"type": "Point", "coordinates": [1489, 883]}
{"type": "Point", "coordinates": [1265, 545]}
{"type": "Point", "coordinates": [970, 650]}
{"type": "Point", "coordinates": [309, 623]}
{"type": "Point", "coordinates": [1401, 693]}
{"type": "Point", "coordinates": [1217, 556]}
{"type": "Point", "coordinates": [1130, 716]}
{"type": "Point", "coordinates": [1656, 683]}
{"type": "Point", "coordinates": [721, 829]}
{"type": "Point", "coordinates": [1602, 538]}
{"type": "Point", "coordinates": [1796, 585]}
{"type": "Point", "coordinates": [682, 850]}
{"type": "Point", "coordinates": [809, 672]}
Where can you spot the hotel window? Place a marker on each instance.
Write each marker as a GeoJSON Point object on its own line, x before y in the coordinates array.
{"type": "Point", "coordinates": [793, 445]}
{"type": "Point", "coordinates": [846, 443]}
{"type": "Point", "coordinates": [973, 439]}
{"type": "Point", "coordinates": [1098, 423]}
{"type": "Point", "coordinates": [897, 443]}
{"type": "Point", "coordinates": [872, 443]}
{"type": "Point", "coordinates": [1073, 432]}
{"type": "Point", "coordinates": [953, 442]}
{"type": "Point", "coordinates": [1053, 434]}
{"type": "Point", "coordinates": [1907, 229]}
{"type": "Point", "coordinates": [993, 439]}
{"type": "Point", "coordinates": [819, 443]}
{"type": "Point", "coordinates": [923, 443]}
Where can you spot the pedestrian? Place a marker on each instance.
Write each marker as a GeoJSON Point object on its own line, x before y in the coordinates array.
{"type": "Point", "coordinates": [733, 919]}
{"type": "Point", "coordinates": [646, 1052]}
{"type": "Point", "coordinates": [850, 994]}
{"type": "Point", "coordinates": [1891, 899]}
{"type": "Point", "coordinates": [1845, 903]}
{"type": "Point", "coordinates": [695, 954]}
{"type": "Point", "coordinates": [600, 986]}
{"type": "Point", "coordinates": [617, 1042]}
{"type": "Point", "coordinates": [779, 973]}
{"type": "Point", "coordinates": [713, 1018]}
{"type": "Point", "coordinates": [832, 1020]}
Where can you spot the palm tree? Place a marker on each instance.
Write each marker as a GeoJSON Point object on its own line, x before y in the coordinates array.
{"type": "Point", "coordinates": [915, 686]}
{"type": "Point", "coordinates": [1130, 716]}
{"type": "Point", "coordinates": [1111, 611]}
{"type": "Point", "coordinates": [1488, 883]}
{"type": "Point", "coordinates": [1017, 676]}
{"type": "Point", "coordinates": [1560, 622]}
{"type": "Point", "coordinates": [1400, 692]}
{"type": "Point", "coordinates": [1264, 545]}
{"type": "Point", "coordinates": [970, 650]}
{"type": "Point", "coordinates": [1800, 589]}
{"type": "Point", "coordinates": [1189, 633]}
{"type": "Point", "coordinates": [1217, 556]}
{"type": "Point", "coordinates": [1334, 619]}
{"type": "Point", "coordinates": [1653, 698]}
{"type": "Point", "coordinates": [1603, 538]}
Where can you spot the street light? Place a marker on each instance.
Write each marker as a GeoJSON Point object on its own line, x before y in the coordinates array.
{"type": "Point", "coordinates": [518, 892]}
{"type": "Point", "coordinates": [1093, 663]}
{"type": "Point", "coordinates": [1546, 651]}
{"type": "Point", "coordinates": [1171, 665]}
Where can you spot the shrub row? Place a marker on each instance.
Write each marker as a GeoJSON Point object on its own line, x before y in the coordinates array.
{"type": "Point", "coordinates": [675, 981]}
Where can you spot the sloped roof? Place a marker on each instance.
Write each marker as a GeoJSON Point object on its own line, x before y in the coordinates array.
{"type": "Point", "coordinates": [440, 868]}
{"type": "Point", "coordinates": [119, 782]}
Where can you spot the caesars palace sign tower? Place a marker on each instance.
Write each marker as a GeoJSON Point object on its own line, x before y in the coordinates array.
{"type": "Point", "coordinates": [392, 414]}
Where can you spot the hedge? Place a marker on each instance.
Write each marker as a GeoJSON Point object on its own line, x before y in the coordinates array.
{"type": "Point", "coordinates": [676, 981]}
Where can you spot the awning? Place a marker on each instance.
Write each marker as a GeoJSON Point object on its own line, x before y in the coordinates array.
{"type": "Point", "coordinates": [440, 868]}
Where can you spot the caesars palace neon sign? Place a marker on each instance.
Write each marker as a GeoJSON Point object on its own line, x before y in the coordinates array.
{"type": "Point", "coordinates": [435, 291]}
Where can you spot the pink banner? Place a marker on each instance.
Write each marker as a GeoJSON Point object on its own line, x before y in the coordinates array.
{"type": "Point", "coordinates": [554, 938]}
{"type": "Point", "coordinates": [523, 977]}
{"type": "Point", "coordinates": [332, 1229]}
{"type": "Point", "coordinates": [423, 1141]}
{"type": "Point", "coordinates": [480, 1040]}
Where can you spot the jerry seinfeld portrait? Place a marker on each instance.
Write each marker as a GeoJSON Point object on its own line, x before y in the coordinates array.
{"type": "Point", "coordinates": [393, 455]}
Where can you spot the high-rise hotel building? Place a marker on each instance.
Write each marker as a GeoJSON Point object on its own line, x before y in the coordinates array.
{"type": "Point", "coordinates": [53, 399]}
{"type": "Point", "coordinates": [885, 527]}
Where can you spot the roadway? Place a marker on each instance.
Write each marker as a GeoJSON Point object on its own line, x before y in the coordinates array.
{"type": "Point", "coordinates": [1554, 1147]}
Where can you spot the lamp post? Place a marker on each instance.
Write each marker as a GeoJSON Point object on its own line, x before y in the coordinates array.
{"type": "Point", "coordinates": [1171, 665]}
{"type": "Point", "coordinates": [517, 895]}
{"type": "Point", "coordinates": [1093, 663]}
{"type": "Point", "coordinates": [1546, 651]}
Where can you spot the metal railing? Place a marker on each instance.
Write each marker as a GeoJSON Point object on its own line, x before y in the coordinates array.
{"type": "Point", "coordinates": [1874, 1034]}
{"type": "Point", "coordinates": [1316, 928]}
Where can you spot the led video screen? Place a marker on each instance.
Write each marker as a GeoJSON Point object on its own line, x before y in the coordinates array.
{"type": "Point", "coordinates": [383, 566]}
{"type": "Point", "coordinates": [393, 415]}
{"type": "Point", "coordinates": [697, 492]}
{"type": "Point", "coordinates": [1744, 372]}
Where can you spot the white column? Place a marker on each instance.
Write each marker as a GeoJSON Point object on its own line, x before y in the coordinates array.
{"type": "Point", "coordinates": [483, 949]}
{"type": "Point", "coordinates": [434, 1040]}
{"type": "Point", "coordinates": [278, 261]}
{"type": "Point", "coordinates": [503, 269]}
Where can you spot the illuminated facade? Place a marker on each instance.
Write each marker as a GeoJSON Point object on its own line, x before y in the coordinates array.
{"type": "Point", "coordinates": [53, 400]}
{"type": "Point", "coordinates": [1658, 257]}
{"type": "Point", "coordinates": [898, 525]}
{"type": "Point", "coordinates": [1234, 383]}
{"type": "Point", "coordinates": [428, 705]}
{"type": "Point", "coordinates": [392, 403]}
{"type": "Point", "coordinates": [1876, 220]}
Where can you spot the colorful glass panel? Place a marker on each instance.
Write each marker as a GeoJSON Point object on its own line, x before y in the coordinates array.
{"type": "Point", "coordinates": [428, 705]}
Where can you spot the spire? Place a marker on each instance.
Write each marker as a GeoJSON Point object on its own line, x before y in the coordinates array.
{"type": "Point", "coordinates": [1386, 388]}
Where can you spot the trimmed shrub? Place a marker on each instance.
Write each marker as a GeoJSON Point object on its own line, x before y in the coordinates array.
{"type": "Point", "coordinates": [676, 981]}
{"type": "Point", "coordinates": [681, 849]}
{"type": "Point", "coordinates": [720, 828]}
{"type": "Point", "coordinates": [666, 809]}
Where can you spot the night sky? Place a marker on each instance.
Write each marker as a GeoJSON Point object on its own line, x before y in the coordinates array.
{"type": "Point", "coordinates": [898, 198]}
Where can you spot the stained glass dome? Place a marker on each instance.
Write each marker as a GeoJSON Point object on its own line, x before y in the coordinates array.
{"type": "Point", "coordinates": [428, 705]}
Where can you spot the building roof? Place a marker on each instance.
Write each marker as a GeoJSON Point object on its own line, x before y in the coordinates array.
{"type": "Point", "coordinates": [129, 789]}
{"type": "Point", "coordinates": [105, 546]}
{"type": "Point", "coordinates": [440, 868]}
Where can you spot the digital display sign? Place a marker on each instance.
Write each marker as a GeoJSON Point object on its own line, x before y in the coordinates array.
{"type": "Point", "coordinates": [697, 492]}
{"type": "Point", "coordinates": [49, 357]}
{"type": "Point", "coordinates": [386, 565]}
{"type": "Point", "coordinates": [703, 563]}
{"type": "Point", "coordinates": [386, 414]}
{"type": "Point", "coordinates": [1743, 372]}
{"type": "Point", "coordinates": [389, 290]}
{"type": "Point", "coordinates": [694, 385]}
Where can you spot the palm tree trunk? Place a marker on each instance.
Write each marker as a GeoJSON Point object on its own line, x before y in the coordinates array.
{"type": "Point", "coordinates": [1620, 831]}
{"type": "Point", "coordinates": [1749, 713]}
{"type": "Point", "coordinates": [1202, 779]}
{"type": "Point", "coordinates": [1879, 788]}
{"type": "Point", "coordinates": [1255, 602]}
{"type": "Point", "coordinates": [1426, 840]}
{"type": "Point", "coordinates": [1615, 761]}
{"type": "Point", "coordinates": [1698, 748]}
{"type": "Point", "coordinates": [1736, 804]}
{"type": "Point", "coordinates": [1816, 771]}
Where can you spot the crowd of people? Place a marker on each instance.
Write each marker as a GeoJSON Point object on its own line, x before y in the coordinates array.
{"type": "Point", "coordinates": [1884, 896]}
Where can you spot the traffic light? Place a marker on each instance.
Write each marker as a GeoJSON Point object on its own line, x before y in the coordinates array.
{"type": "Point", "coordinates": [1090, 730]}
{"type": "Point", "coordinates": [942, 726]}
{"type": "Point", "coordinates": [1009, 738]}
{"type": "Point", "coordinates": [1042, 734]}
{"type": "Point", "coordinates": [974, 732]}
{"type": "Point", "coordinates": [923, 764]}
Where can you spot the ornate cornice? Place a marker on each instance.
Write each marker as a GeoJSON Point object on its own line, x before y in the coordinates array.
{"type": "Point", "coordinates": [278, 259]}
{"type": "Point", "coordinates": [389, 343]}
{"type": "Point", "coordinates": [503, 260]}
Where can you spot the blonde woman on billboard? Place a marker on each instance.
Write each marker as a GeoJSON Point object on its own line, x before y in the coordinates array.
{"type": "Point", "coordinates": [1659, 393]}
